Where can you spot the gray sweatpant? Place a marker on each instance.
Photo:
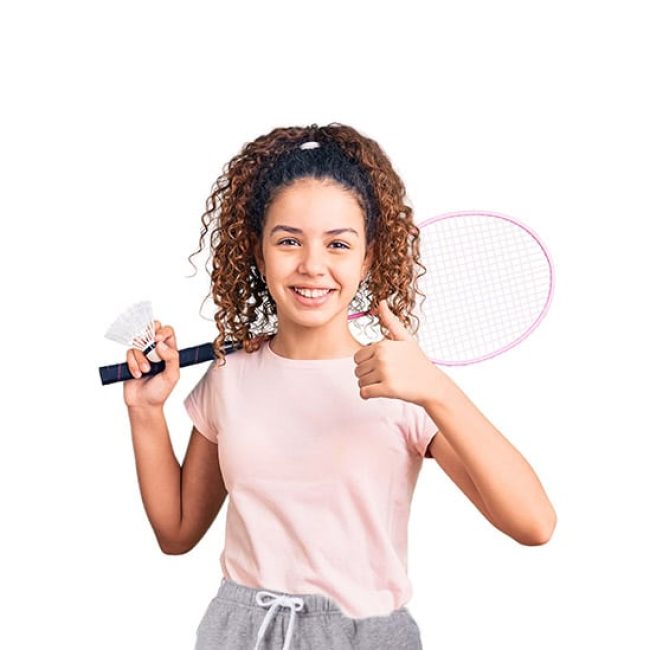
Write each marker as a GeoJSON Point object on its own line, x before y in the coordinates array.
{"type": "Point", "coordinates": [243, 618]}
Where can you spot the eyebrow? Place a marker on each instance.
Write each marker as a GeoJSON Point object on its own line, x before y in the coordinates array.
{"type": "Point", "coordinates": [297, 231]}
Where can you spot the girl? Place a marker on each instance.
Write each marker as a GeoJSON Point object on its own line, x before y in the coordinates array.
{"type": "Point", "coordinates": [317, 439]}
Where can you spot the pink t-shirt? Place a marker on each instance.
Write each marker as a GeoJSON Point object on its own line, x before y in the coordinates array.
{"type": "Point", "coordinates": [319, 480]}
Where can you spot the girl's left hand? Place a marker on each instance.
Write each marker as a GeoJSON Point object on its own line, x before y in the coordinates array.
{"type": "Point", "coordinates": [396, 367]}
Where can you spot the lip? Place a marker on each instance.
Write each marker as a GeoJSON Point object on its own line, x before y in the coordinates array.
{"type": "Point", "coordinates": [311, 302]}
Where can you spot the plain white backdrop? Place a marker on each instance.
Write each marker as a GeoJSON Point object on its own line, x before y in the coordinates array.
{"type": "Point", "coordinates": [116, 120]}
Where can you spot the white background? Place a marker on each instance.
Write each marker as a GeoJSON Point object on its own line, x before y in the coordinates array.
{"type": "Point", "coordinates": [117, 118]}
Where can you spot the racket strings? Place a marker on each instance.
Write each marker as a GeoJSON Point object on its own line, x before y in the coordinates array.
{"type": "Point", "coordinates": [487, 282]}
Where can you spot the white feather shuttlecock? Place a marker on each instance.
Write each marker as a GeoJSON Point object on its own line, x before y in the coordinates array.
{"type": "Point", "coordinates": [135, 327]}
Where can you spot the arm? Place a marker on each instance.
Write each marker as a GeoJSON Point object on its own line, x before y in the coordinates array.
{"type": "Point", "coordinates": [509, 490]}
{"type": "Point", "coordinates": [181, 503]}
{"type": "Point", "coordinates": [204, 491]}
{"type": "Point", "coordinates": [449, 461]}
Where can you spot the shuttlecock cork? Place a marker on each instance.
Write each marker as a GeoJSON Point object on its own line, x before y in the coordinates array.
{"type": "Point", "coordinates": [135, 327]}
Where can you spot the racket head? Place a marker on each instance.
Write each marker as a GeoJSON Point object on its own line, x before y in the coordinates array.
{"type": "Point", "coordinates": [488, 284]}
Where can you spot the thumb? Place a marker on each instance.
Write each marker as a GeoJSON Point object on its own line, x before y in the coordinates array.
{"type": "Point", "coordinates": [388, 319]}
{"type": "Point", "coordinates": [168, 354]}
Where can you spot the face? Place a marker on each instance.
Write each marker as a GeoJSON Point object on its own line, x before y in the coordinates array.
{"type": "Point", "coordinates": [298, 250]}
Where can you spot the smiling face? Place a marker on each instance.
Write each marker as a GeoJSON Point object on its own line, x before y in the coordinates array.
{"type": "Point", "coordinates": [314, 237]}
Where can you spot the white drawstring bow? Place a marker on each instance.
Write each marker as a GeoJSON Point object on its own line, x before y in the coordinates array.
{"type": "Point", "coordinates": [293, 603]}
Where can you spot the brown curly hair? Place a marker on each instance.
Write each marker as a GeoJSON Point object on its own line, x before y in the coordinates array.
{"type": "Point", "coordinates": [237, 207]}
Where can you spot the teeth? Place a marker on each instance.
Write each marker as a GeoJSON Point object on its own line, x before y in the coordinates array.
{"type": "Point", "coordinates": [311, 293]}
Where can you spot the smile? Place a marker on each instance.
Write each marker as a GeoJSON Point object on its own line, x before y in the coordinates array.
{"type": "Point", "coordinates": [311, 297]}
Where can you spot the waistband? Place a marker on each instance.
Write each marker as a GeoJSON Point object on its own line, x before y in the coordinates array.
{"type": "Point", "coordinates": [311, 603]}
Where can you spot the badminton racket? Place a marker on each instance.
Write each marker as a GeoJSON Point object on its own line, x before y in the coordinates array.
{"type": "Point", "coordinates": [488, 284]}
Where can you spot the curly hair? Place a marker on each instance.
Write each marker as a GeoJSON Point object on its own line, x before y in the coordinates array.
{"type": "Point", "coordinates": [236, 210]}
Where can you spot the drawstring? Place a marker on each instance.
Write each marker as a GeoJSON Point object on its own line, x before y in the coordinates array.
{"type": "Point", "coordinates": [295, 604]}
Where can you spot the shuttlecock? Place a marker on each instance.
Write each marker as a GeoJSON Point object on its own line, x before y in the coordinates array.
{"type": "Point", "coordinates": [135, 327]}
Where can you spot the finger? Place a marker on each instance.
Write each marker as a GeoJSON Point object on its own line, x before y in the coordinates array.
{"type": "Point", "coordinates": [364, 368]}
{"type": "Point", "coordinates": [373, 390]}
{"type": "Point", "coordinates": [132, 363]}
{"type": "Point", "coordinates": [161, 332]}
{"type": "Point", "coordinates": [168, 354]}
{"type": "Point", "coordinates": [364, 353]}
{"type": "Point", "coordinates": [167, 335]}
{"type": "Point", "coordinates": [373, 377]}
{"type": "Point", "coordinates": [141, 360]}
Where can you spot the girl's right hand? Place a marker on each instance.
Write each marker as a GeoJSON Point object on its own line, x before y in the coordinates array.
{"type": "Point", "coordinates": [154, 390]}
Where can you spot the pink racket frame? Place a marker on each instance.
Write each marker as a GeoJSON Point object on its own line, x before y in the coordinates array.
{"type": "Point", "coordinates": [535, 236]}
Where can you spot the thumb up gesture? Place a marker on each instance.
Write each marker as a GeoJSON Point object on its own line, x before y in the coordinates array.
{"type": "Point", "coordinates": [396, 367]}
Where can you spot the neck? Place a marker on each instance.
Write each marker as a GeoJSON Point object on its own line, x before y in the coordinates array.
{"type": "Point", "coordinates": [315, 348]}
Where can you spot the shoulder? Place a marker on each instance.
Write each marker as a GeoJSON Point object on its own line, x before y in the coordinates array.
{"type": "Point", "coordinates": [247, 353]}
{"type": "Point", "coordinates": [236, 365]}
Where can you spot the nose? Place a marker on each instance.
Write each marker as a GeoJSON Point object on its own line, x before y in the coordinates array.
{"type": "Point", "coordinates": [312, 261]}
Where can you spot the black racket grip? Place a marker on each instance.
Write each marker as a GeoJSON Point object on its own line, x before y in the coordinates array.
{"type": "Point", "coordinates": [186, 357]}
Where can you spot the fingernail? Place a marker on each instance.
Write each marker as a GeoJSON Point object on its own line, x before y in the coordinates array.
{"type": "Point", "coordinates": [162, 345]}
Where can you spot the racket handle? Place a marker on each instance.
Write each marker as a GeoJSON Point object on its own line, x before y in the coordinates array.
{"type": "Point", "coordinates": [186, 357]}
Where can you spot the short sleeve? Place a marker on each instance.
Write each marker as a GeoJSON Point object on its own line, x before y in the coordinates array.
{"type": "Point", "coordinates": [201, 401]}
{"type": "Point", "coordinates": [420, 428]}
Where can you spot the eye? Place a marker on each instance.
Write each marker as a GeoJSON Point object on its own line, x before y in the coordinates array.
{"type": "Point", "coordinates": [343, 246]}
